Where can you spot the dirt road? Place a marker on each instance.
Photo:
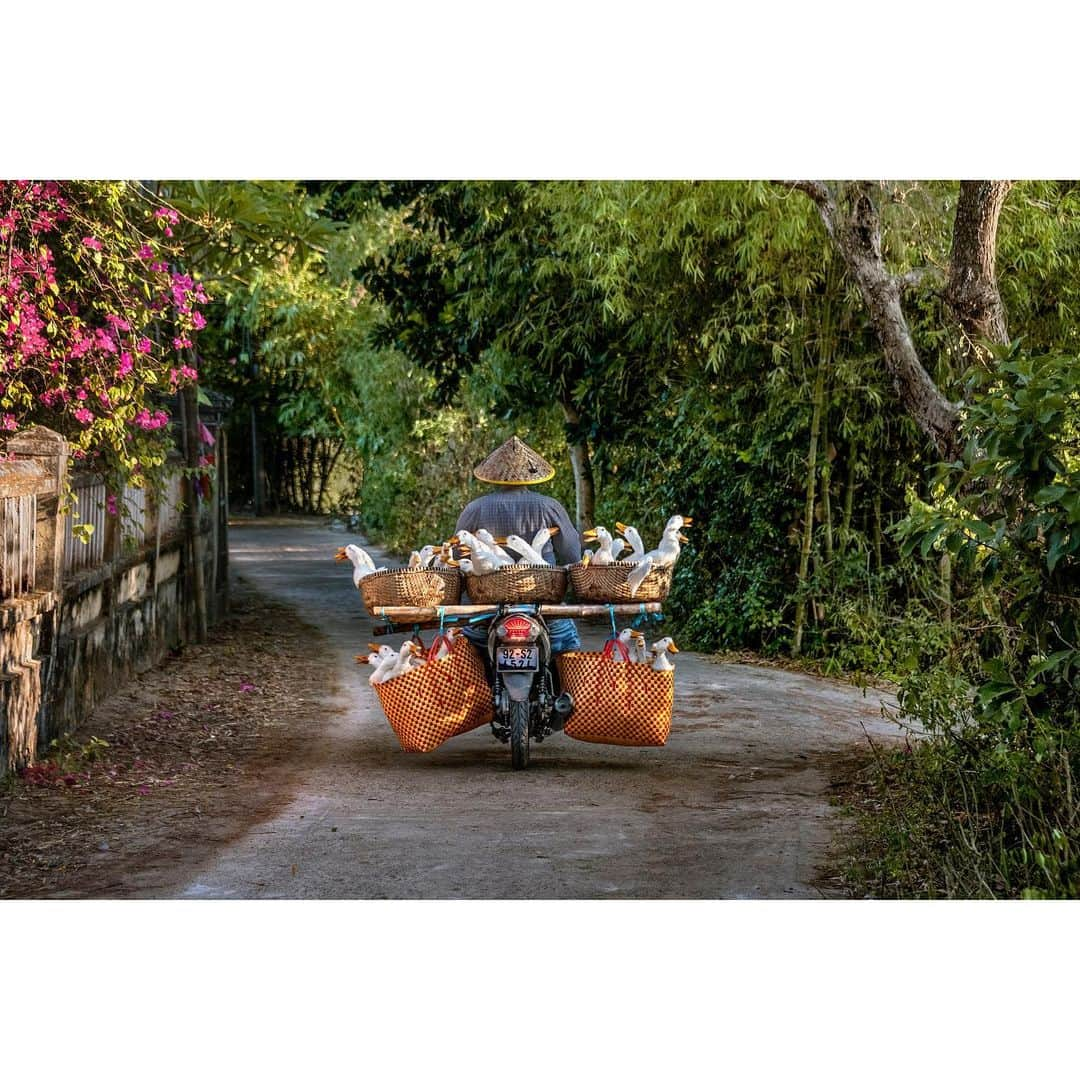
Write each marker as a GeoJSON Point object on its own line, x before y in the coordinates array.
{"type": "Point", "coordinates": [736, 804]}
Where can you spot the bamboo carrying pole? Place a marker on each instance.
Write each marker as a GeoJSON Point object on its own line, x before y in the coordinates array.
{"type": "Point", "coordinates": [559, 611]}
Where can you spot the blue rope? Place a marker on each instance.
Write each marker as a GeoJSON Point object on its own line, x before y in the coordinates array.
{"type": "Point", "coordinates": [611, 612]}
{"type": "Point", "coordinates": [643, 617]}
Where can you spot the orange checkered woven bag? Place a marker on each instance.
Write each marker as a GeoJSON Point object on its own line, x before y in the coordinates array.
{"type": "Point", "coordinates": [621, 703]}
{"type": "Point", "coordinates": [441, 699]}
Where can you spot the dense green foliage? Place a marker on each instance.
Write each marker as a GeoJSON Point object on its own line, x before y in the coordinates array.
{"type": "Point", "coordinates": [997, 810]}
{"type": "Point", "coordinates": [699, 348]}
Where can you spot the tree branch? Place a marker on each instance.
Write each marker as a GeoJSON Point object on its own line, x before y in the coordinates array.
{"type": "Point", "coordinates": [852, 221]}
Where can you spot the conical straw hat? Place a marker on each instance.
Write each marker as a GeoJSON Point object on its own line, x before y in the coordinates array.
{"type": "Point", "coordinates": [514, 463]}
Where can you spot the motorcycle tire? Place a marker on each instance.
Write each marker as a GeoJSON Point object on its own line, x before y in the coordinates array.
{"type": "Point", "coordinates": [519, 734]}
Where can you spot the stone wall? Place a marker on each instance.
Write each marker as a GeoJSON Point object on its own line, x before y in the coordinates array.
{"type": "Point", "coordinates": [71, 639]}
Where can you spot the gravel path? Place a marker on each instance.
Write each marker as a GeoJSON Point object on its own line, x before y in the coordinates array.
{"type": "Point", "coordinates": [736, 804]}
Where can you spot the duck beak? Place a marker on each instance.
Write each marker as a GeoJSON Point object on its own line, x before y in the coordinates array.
{"type": "Point", "coordinates": [636, 634]}
{"type": "Point", "coordinates": [451, 562]}
{"type": "Point", "coordinates": [552, 530]}
{"type": "Point", "coordinates": [466, 550]}
{"type": "Point", "coordinates": [453, 540]}
{"type": "Point", "coordinates": [673, 647]}
{"type": "Point", "coordinates": [687, 521]}
{"type": "Point", "coordinates": [340, 556]}
{"type": "Point", "coordinates": [684, 539]}
{"type": "Point", "coordinates": [620, 527]}
{"type": "Point", "coordinates": [363, 658]}
{"type": "Point", "coordinates": [589, 534]}
{"type": "Point", "coordinates": [499, 539]}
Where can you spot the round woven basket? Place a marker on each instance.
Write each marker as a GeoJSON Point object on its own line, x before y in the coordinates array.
{"type": "Point", "coordinates": [402, 587]}
{"type": "Point", "coordinates": [607, 584]}
{"type": "Point", "coordinates": [519, 584]}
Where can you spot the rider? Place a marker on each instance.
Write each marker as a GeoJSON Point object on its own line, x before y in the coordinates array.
{"type": "Point", "coordinates": [516, 509]}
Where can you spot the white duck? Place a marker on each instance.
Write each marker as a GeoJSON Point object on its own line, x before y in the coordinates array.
{"type": "Point", "coordinates": [382, 659]}
{"type": "Point", "coordinates": [363, 564]}
{"type": "Point", "coordinates": [494, 545]}
{"type": "Point", "coordinates": [605, 556]}
{"type": "Point", "coordinates": [633, 537]}
{"type": "Point", "coordinates": [542, 536]}
{"type": "Point", "coordinates": [629, 638]}
{"type": "Point", "coordinates": [482, 562]}
{"type": "Point", "coordinates": [660, 649]}
{"type": "Point", "coordinates": [667, 552]}
{"type": "Point", "coordinates": [526, 550]}
{"type": "Point", "coordinates": [423, 559]}
{"type": "Point", "coordinates": [639, 574]}
{"type": "Point", "coordinates": [473, 544]}
{"type": "Point", "coordinates": [403, 662]}
{"type": "Point", "coordinates": [639, 651]}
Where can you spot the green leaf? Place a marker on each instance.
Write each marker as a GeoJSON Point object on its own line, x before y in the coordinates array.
{"type": "Point", "coordinates": [1049, 494]}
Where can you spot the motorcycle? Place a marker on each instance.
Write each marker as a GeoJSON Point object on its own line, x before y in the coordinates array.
{"type": "Point", "coordinates": [524, 681]}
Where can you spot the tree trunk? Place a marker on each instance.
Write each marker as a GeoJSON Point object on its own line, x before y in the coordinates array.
{"type": "Point", "coordinates": [196, 541]}
{"type": "Point", "coordinates": [849, 498]}
{"type": "Point", "coordinates": [581, 463]}
{"type": "Point", "coordinates": [972, 293]}
{"type": "Point", "coordinates": [877, 530]}
{"type": "Point", "coordinates": [808, 528]}
{"type": "Point", "coordinates": [826, 483]}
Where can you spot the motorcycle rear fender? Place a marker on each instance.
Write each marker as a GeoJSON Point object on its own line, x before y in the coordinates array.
{"type": "Point", "coordinates": [518, 684]}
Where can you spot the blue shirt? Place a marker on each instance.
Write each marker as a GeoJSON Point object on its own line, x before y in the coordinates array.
{"type": "Point", "coordinates": [524, 512]}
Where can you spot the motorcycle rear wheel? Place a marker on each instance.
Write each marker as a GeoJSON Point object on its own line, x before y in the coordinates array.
{"type": "Point", "coordinates": [519, 734]}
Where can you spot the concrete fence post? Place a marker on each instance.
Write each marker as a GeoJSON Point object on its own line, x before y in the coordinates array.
{"type": "Point", "coordinates": [50, 450]}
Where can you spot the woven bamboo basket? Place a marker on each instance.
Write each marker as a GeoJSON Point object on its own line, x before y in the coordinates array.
{"type": "Point", "coordinates": [518, 584]}
{"type": "Point", "coordinates": [402, 587]}
{"type": "Point", "coordinates": [607, 584]}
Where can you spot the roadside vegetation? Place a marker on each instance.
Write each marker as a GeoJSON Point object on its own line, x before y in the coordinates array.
{"type": "Point", "coordinates": [865, 394]}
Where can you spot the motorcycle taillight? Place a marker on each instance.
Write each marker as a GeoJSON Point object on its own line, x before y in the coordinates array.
{"type": "Point", "coordinates": [518, 628]}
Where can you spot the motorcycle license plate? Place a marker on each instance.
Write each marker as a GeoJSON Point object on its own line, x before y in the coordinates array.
{"type": "Point", "coordinates": [518, 658]}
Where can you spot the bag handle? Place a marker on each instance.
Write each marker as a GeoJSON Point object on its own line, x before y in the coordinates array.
{"type": "Point", "coordinates": [436, 641]}
{"type": "Point", "coordinates": [611, 645]}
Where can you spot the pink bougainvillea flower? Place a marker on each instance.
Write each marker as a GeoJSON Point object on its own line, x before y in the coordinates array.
{"type": "Point", "coordinates": [125, 365]}
{"type": "Point", "coordinates": [143, 345]}
{"type": "Point", "coordinates": [246, 687]}
{"type": "Point", "coordinates": [84, 416]}
{"type": "Point", "coordinates": [146, 252]}
{"type": "Point", "coordinates": [181, 343]}
{"type": "Point", "coordinates": [198, 320]}
{"type": "Point", "coordinates": [9, 423]}
{"type": "Point", "coordinates": [110, 505]}
{"type": "Point", "coordinates": [148, 422]}
{"type": "Point", "coordinates": [93, 243]}
{"type": "Point", "coordinates": [205, 434]}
